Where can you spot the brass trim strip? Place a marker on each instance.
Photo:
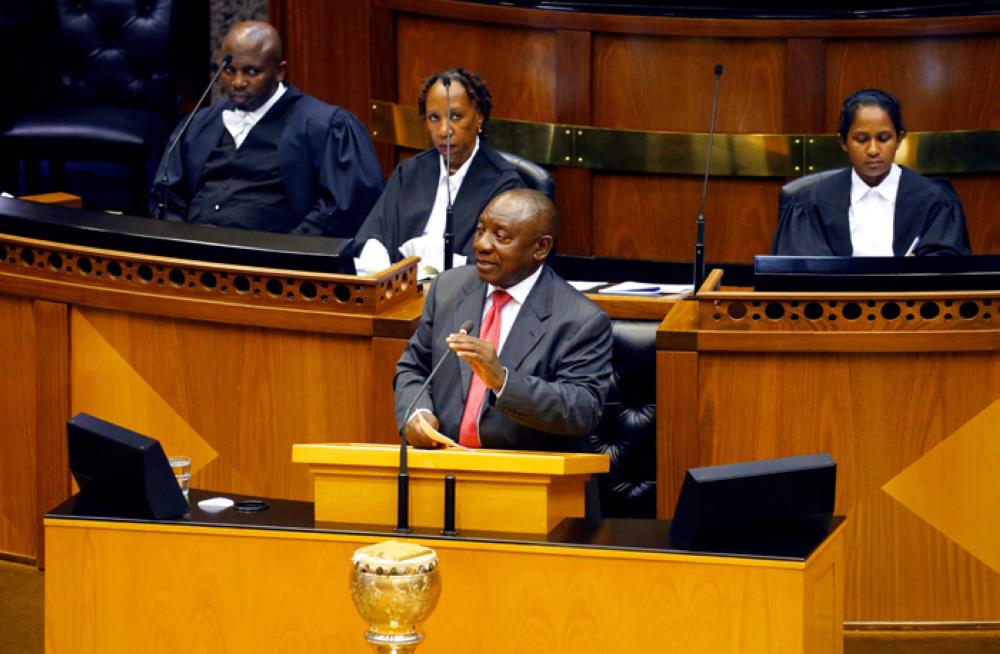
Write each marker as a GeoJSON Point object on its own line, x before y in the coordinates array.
{"type": "Point", "coordinates": [680, 153]}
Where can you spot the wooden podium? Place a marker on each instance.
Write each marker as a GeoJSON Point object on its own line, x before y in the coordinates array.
{"type": "Point", "coordinates": [902, 389]}
{"type": "Point", "coordinates": [496, 490]}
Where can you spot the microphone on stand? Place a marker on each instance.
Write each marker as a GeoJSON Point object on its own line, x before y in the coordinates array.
{"type": "Point", "coordinates": [699, 245]}
{"type": "Point", "coordinates": [449, 212]}
{"type": "Point", "coordinates": [403, 478]}
{"type": "Point", "coordinates": [161, 206]}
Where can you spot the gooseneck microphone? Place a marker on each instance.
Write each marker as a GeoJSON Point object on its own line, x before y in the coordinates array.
{"type": "Point", "coordinates": [161, 207]}
{"type": "Point", "coordinates": [449, 212]}
{"type": "Point", "coordinates": [699, 244]}
{"type": "Point", "coordinates": [403, 479]}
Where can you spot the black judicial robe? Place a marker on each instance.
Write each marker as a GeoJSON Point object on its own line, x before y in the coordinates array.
{"type": "Point", "coordinates": [815, 221]}
{"type": "Point", "coordinates": [327, 161]}
{"type": "Point", "coordinates": [405, 207]}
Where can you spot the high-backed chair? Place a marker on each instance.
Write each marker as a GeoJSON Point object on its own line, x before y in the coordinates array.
{"type": "Point", "coordinates": [627, 432]}
{"type": "Point", "coordinates": [796, 185]}
{"type": "Point", "coordinates": [535, 177]}
{"type": "Point", "coordinates": [111, 96]}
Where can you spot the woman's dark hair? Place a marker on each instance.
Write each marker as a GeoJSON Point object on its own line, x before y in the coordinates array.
{"type": "Point", "coordinates": [474, 85]}
{"type": "Point", "coordinates": [868, 97]}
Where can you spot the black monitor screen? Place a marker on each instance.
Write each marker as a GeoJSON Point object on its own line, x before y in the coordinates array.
{"type": "Point", "coordinates": [121, 473]}
{"type": "Point", "coordinates": [759, 507]}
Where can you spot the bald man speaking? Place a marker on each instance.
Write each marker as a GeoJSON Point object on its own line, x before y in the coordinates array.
{"type": "Point", "coordinates": [535, 374]}
{"type": "Point", "coordinates": [269, 158]}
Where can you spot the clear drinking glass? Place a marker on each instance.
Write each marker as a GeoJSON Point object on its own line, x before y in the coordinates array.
{"type": "Point", "coordinates": [181, 465]}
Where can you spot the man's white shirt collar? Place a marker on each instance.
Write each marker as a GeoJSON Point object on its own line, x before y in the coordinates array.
{"type": "Point", "coordinates": [239, 123]}
{"type": "Point", "coordinates": [519, 291]}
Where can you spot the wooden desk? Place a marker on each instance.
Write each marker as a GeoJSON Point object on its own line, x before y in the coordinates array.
{"type": "Point", "coordinates": [228, 364]}
{"type": "Point", "coordinates": [902, 389]}
{"type": "Point", "coordinates": [271, 582]}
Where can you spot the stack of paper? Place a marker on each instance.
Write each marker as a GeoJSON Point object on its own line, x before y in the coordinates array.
{"type": "Point", "coordinates": [645, 289]}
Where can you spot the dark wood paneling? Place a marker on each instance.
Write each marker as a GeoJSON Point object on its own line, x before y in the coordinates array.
{"type": "Point", "coordinates": [805, 86]}
{"type": "Point", "coordinates": [666, 84]}
{"type": "Point", "coordinates": [649, 83]}
{"type": "Point", "coordinates": [326, 45]}
{"type": "Point", "coordinates": [518, 63]}
{"type": "Point", "coordinates": [978, 193]}
{"type": "Point", "coordinates": [382, 68]}
{"type": "Point", "coordinates": [652, 217]}
{"type": "Point", "coordinates": [944, 83]}
{"type": "Point", "coordinates": [574, 61]}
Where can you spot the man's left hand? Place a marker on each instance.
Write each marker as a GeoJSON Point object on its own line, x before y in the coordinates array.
{"type": "Point", "coordinates": [481, 356]}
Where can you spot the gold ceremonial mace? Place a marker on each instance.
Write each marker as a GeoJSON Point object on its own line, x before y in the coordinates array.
{"type": "Point", "coordinates": [395, 587]}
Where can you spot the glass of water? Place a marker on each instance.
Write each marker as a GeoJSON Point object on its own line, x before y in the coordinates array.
{"type": "Point", "coordinates": [181, 465]}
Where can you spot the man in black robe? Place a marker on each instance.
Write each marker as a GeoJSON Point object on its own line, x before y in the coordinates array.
{"type": "Point", "coordinates": [270, 158]}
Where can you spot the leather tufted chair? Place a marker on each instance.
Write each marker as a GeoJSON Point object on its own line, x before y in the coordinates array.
{"type": "Point", "coordinates": [627, 432]}
{"type": "Point", "coordinates": [111, 95]}
{"type": "Point", "coordinates": [535, 177]}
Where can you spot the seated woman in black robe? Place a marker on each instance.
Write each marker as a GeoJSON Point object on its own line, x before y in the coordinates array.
{"type": "Point", "coordinates": [409, 218]}
{"type": "Point", "coordinates": [875, 207]}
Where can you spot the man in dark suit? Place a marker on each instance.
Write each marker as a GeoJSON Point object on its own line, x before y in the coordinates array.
{"type": "Point", "coordinates": [269, 158]}
{"type": "Point", "coordinates": [545, 389]}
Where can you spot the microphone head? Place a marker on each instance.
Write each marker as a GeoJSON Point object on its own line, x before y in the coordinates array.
{"type": "Point", "coordinates": [446, 81]}
{"type": "Point", "coordinates": [228, 59]}
{"type": "Point", "coordinates": [718, 70]}
{"type": "Point", "coordinates": [466, 326]}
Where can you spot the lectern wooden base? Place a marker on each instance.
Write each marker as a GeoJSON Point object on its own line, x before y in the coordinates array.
{"type": "Point", "coordinates": [496, 490]}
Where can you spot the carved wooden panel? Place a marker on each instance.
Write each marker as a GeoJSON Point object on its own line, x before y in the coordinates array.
{"type": "Point", "coordinates": [203, 280]}
{"type": "Point", "coordinates": [977, 311]}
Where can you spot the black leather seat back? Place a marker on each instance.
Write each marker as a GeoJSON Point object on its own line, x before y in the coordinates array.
{"type": "Point", "coordinates": [796, 185]}
{"type": "Point", "coordinates": [115, 53]}
{"type": "Point", "coordinates": [627, 432]}
{"type": "Point", "coordinates": [535, 177]}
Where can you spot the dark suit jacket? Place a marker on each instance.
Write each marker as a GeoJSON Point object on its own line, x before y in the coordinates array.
{"type": "Point", "coordinates": [557, 355]}
{"type": "Point", "coordinates": [815, 221]}
{"type": "Point", "coordinates": [403, 210]}
{"type": "Point", "coordinates": [328, 166]}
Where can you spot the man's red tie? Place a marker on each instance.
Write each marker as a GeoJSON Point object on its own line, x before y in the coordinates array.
{"type": "Point", "coordinates": [468, 433]}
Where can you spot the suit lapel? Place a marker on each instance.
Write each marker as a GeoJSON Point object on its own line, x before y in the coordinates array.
{"type": "Point", "coordinates": [528, 329]}
{"type": "Point", "coordinates": [470, 307]}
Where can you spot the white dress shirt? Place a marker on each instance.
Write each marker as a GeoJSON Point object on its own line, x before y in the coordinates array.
{"type": "Point", "coordinates": [430, 245]}
{"type": "Point", "coordinates": [871, 214]}
{"type": "Point", "coordinates": [518, 294]}
{"type": "Point", "coordinates": [239, 123]}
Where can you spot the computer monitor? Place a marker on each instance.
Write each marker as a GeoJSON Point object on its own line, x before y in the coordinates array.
{"type": "Point", "coordinates": [756, 507]}
{"type": "Point", "coordinates": [121, 473]}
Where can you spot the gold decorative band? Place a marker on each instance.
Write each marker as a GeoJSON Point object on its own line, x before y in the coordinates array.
{"type": "Point", "coordinates": [678, 153]}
